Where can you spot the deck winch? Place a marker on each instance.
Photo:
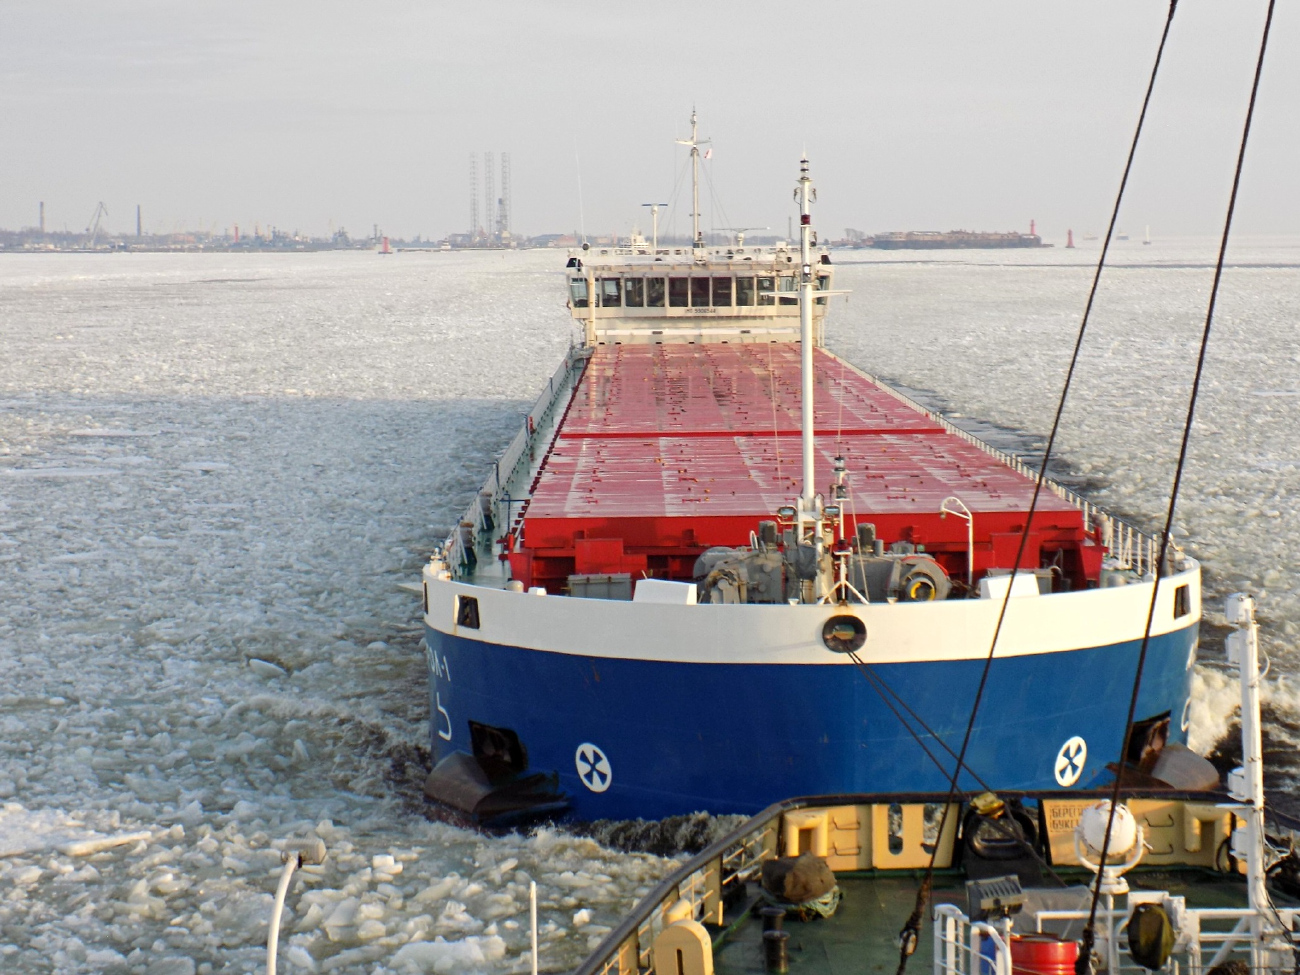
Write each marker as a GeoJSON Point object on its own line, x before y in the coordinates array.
{"type": "Point", "coordinates": [777, 567]}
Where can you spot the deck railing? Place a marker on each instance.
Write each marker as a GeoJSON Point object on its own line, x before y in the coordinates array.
{"type": "Point", "coordinates": [701, 882]}
{"type": "Point", "coordinates": [1134, 549]}
{"type": "Point", "coordinates": [515, 460]}
{"type": "Point", "coordinates": [1131, 548]}
{"type": "Point", "coordinates": [1207, 937]}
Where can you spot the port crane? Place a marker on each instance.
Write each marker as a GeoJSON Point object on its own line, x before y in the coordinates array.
{"type": "Point", "coordinates": [92, 227]}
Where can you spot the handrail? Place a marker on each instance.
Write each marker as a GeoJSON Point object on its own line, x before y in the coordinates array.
{"type": "Point", "coordinates": [1131, 547]}
{"type": "Point", "coordinates": [730, 849]}
{"type": "Point", "coordinates": [473, 522]}
{"type": "Point", "coordinates": [953, 957]}
{"type": "Point", "coordinates": [1128, 546]}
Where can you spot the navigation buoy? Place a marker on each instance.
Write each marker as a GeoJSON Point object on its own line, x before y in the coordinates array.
{"type": "Point", "coordinates": [1069, 238]}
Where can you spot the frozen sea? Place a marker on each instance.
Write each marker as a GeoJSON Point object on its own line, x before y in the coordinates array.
{"type": "Point", "coordinates": [216, 470]}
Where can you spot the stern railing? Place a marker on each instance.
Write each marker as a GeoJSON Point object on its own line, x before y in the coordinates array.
{"type": "Point", "coordinates": [1205, 938]}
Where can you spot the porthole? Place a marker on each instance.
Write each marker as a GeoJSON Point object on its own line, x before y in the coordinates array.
{"type": "Point", "coordinates": [844, 634]}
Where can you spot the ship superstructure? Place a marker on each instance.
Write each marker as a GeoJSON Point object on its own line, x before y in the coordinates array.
{"type": "Point", "coordinates": [657, 601]}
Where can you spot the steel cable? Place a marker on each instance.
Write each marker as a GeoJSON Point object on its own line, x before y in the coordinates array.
{"type": "Point", "coordinates": [881, 687]}
{"type": "Point", "coordinates": [908, 936]}
{"type": "Point", "coordinates": [1084, 961]}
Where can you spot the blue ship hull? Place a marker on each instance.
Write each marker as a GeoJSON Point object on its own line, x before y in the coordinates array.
{"type": "Point", "coordinates": [653, 738]}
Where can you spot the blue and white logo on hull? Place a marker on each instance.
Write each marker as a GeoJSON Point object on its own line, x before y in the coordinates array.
{"type": "Point", "coordinates": [1070, 760]}
{"type": "Point", "coordinates": [593, 767]}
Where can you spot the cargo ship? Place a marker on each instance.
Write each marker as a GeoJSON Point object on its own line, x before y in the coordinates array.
{"type": "Point", "coordinates": [720, 565]}
{"type": "Point", "coordinates": [922, 240]}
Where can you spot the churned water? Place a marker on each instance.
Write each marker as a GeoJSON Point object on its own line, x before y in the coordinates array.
{"type": "Point", "coordinates": [216, 471]}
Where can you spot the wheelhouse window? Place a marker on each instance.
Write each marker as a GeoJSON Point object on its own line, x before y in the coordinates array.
{"type": "Point", "coordinates": [634, 292]}
{"type": "Point", "coordinates": [654, 292]}
{"type": "Point", "coordinates": [722, 292]}
{"type": "Point", "coordinates": [744, 291]}
{"type": "Point", "coordinates": [578, 292]}
{"type": "Point", "coordinates": [699, 292]}
{"type": "Point", "coordinates": [610, 292]}
{"type": "Point", "coordinates": [789, 283]}
{"type": "Point", "coordinates": [765, 288]}
{"type": "Point", "coordinates": [678, 292]}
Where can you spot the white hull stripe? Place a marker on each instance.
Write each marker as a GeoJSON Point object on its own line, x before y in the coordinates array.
{"type": "Point", "coordinates": [955, 629]}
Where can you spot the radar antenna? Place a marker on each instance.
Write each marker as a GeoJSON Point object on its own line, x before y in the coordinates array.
{"type": "Point", "coordinates": [740, 233]}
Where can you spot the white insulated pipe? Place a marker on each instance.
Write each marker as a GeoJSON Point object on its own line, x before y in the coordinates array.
{"type": "Point", "coordinates": [1246, 784]}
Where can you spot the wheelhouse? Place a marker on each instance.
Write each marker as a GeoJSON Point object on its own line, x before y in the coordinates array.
{"type": "Point", "coordinates": [670, 294]}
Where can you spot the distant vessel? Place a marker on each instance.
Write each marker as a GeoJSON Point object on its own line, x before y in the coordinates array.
{"type": "Point", "coordinates": [1120, 235]}
{"type": "Point", "coordinates": [952, 240]}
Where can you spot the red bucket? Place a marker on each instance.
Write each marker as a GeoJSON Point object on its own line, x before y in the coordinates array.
{"type": "Point", "coordinates": [1042, 954]}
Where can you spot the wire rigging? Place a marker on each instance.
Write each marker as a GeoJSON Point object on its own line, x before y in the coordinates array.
{"type": "Point", "coordinates": [881, 687]}
{"type": "Point", "coordinates": [1088, 932]}
{"type": "Point", "coordinates": [911, 930]}
{"type": "Point", "coordinates": [839, 392]}
{"type": "Point", "coordinates": [672, 199]}
{"type": "Point", "coordinates": [776, 428]}
{"type": "Point", "coordinates": [713, 198]}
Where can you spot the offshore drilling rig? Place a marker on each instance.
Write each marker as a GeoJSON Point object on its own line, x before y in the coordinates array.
{"type": "Point", "coordinates": [490, 226]}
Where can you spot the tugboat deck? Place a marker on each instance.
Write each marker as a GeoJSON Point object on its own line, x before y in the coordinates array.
{"type": "Point", "coordinates": [862, 936]}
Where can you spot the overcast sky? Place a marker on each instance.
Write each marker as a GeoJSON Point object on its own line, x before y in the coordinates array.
{"type": "Point", "coordinates": [917, 115]}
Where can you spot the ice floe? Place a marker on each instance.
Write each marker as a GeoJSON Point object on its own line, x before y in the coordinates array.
{"type": "Point", "coordinates": [208, 653]}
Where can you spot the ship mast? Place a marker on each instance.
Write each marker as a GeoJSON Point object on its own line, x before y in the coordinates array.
{"type": "Point", "coordinates": [694, 143]}
{"type": "Point", "coordinates": [805, 194]}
